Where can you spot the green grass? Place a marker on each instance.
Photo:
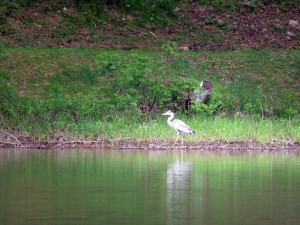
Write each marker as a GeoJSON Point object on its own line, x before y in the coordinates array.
{"type": "Point", "coordinates": [93, 94]}
{"type": "Point", "coordinates": [157, 131]}
{"type": "Point", "coordinates": [235, 129]}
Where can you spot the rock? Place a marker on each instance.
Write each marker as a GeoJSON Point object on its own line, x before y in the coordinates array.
{"type": "Point", "coordinates": [288, 38]}
{"type": "Point", "coordinates": [252, 27]}
{"type": "Point", "coordinates": [177, 9]}
{"type": "Point", "coordinates": [290, 34]}
{"type": "Point", "coordinates": [239, 114]}
{"type": "Point", "coordinates": [293, 23]}
{"type": "Point", "coordinates": [220, 22]}
{"type": "Point", "coordinates": [247, 3]}
{"type": "Point", "coordinates": [183, 48]}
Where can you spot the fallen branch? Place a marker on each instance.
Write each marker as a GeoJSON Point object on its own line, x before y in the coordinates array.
{"type": "Point", "coordinates": [5, 132]}
{"type": "Point", "coordinates": [7, 142]}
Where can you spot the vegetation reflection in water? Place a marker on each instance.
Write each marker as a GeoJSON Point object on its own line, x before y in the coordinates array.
{"type": "Point", "coordinates": [148, 187]}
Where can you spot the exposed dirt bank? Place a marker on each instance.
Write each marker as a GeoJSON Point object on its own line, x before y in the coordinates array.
{"type": "Point", "coordinates": [238, 146]}
{"type": "Point", "coordinates": [197, 27]}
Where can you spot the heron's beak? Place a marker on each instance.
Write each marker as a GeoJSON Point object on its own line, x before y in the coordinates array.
{"type": "Point", "coordinates": [164, 114]}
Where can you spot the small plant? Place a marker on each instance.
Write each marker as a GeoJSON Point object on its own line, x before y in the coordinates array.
{"type": "Point", "coordinates": [209, 20]}
{"type": "Point", "coordinates": [277, 27]}
{"type": "Point", "coordinates": [170, 48]}
{"type": "Point", "coordinates": [224, 25]}
{"type": "Point", "coordinates": [288, 112]}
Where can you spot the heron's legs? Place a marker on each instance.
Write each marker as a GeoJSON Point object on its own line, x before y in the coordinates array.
{"type": "Point", "coordinates": [176, 139]}
{"type": "Point", "coordinates": [178, 134]}
{"type": "Point", "coordinates": [181, 140]}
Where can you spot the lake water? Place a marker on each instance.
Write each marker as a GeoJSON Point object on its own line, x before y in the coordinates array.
{"type": "Point", "coordinates": [148, 187]}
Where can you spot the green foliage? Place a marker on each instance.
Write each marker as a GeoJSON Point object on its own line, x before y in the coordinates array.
{"type": "Point", "coordinates": [89, 13]}
{"type": "Point", "coordinates": [288, 112]}
{"type": "Point", "coordinates": [245, 95]}
{"type": "Point", "coordinates": [219, 4]}
{"type": "Point", "coordinates": [148, 10]}
{"type": "Point", "coordinates": [96, 7]}
{"type": "Point", "coordinates": [206, 110]}
{"type": "Point", "coordinates": [80, 90]}
{"type": "Point", "coordinates": [8, 95]}
{"type": "Point", "coordinates": [278, 27]}
{"type": "Point", "coordinates": [139, 87]}
{"type": "Point", "coordinates": [87, 76]}
{"type": "Point", "coordinates": [170, 48]}
{"type": "Point", "coordinates": [93, 12]}
{"type": "Point", "coordinates": [215, 106]}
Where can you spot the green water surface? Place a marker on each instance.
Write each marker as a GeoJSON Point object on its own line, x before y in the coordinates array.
{"type": "Point", "coordinates": [148, 187]}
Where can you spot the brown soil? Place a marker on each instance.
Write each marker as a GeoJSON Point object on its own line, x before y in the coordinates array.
{"type": "Point", "coordinates": [239, 146]}
{"type": "Point", "coordinates": [197, 27]}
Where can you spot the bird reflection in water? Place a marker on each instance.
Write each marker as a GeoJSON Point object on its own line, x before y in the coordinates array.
{"type": "Point", "coordinates": [178, 197]}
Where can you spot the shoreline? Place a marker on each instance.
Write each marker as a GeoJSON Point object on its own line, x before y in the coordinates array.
{"type": "Point", "coordinates": [235, 146]}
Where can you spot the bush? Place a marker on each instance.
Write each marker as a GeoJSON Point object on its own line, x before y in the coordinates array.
{"type": "Point", "coordinates": [146, 11]}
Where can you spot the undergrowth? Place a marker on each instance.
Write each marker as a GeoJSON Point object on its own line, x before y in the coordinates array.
{"type": "Point", "coordinates": [112, 94]}
{"type": "Point", "coordinates": [160, 12]}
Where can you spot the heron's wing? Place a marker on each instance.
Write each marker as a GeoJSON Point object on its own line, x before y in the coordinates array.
{"type": "Point", "coordinates": [180, 126]}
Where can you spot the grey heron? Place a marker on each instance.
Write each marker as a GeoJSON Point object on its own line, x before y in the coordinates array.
{"type": "Point", "coordinates": [177, 125]}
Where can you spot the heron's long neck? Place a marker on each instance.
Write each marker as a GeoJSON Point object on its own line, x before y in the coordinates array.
{"type": "Point", "coordinates": [171, 117]}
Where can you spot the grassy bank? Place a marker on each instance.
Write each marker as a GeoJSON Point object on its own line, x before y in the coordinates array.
{"type": "Point", "coordinates": [84, 94]}
{"type": "Point", "coordinates": [127, 131]}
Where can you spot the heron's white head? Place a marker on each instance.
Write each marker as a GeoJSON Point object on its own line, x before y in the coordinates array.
{"type": "Point", "coordinates": [168, 113]}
